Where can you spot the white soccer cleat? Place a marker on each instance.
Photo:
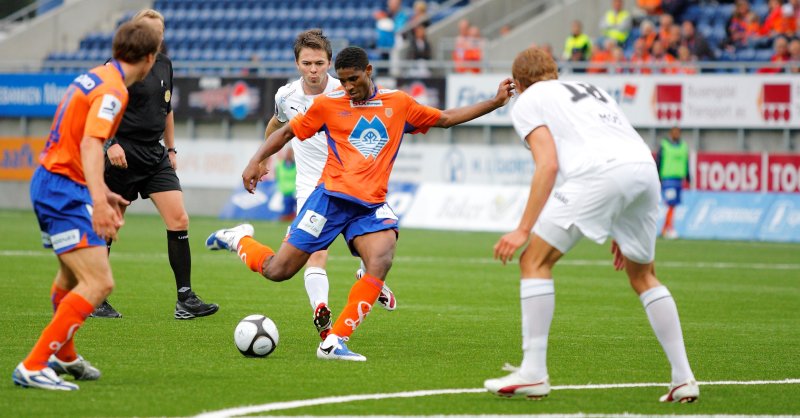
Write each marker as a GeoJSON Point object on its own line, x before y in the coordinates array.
{"type": "Point", "coordinates": [386, 299]}
{"type": "Point", "coordinates": [516, 385]}
{"type": "Point", "coordinates": [685, 392]}
{"type": "Point", "coordinates": [41, 379]}
{"type": "Point", "coordinates": [79, 368]}
{"type": "Point", "coordinates": [228, 239]}
{"type": "Point", "coordinates": [334, 348]}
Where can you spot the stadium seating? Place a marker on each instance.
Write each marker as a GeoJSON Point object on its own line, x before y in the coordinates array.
{"type": "Point", "coordinates": [237, 30]}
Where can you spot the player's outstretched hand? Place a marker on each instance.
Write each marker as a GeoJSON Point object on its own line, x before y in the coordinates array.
{"type": "Point", "coordinates": [252, 175]}
{"type": "Point", "coordinates": [619, 261]}
{"type": "Point", "coordinates": [116, 155]}
{"type": "Point", "coordinates": [509, 244]}
{"type": "Point", "coordinates": [505, 91]}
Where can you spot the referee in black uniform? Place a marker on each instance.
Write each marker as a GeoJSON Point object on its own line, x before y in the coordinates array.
{"type": "Point", "coordinates": [138, 164]}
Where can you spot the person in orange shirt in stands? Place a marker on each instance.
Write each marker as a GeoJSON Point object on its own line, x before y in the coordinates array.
{"type": "Point", "coordinates": [76, 211]}
{"type": "Point", "coordinates": [660, 60]}
{"type": "Point", "coordinates": [639, 58]}
{"type": "Point", "coordinates": [651, 7]}
{"type": "Point", "coordinates": [601, 57]}
{"type": "Point", "coordinates": [781, 55]}
{"type": "Point", "coordinates": [364, 124]}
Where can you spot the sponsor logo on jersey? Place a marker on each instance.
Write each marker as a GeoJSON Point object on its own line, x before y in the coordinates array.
{"type": "Point", "coordinates": [366, 103]}
{"type": "Point", "coordinates": [668, 102]}
{"type": "Point", "coordinates": [110, 108]}
{"type": "Point", "coordinates": [65, 239]}
{"type": "Point", "coordinates": [369, 137]}
{"type": "Point", "coordinates": [335, 94]}
{"type": "Point", "coordinates": [775, 102]}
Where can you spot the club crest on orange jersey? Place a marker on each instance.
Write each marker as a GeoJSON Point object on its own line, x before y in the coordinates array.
{"type": "Point", "coordinates": [369, 137]}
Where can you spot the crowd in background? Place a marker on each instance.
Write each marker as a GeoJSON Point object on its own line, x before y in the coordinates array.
{"type": "Point", "coordinates": [659, 36]}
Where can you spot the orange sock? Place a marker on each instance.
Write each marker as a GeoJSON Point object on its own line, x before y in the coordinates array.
{"type": "Point", "coordinates": [668, 220]}
{"type": "Point", "coordinates": [362, 296]}
{"type": "Point", "coordinates": [254, 253]}
{"type": "Point", "coordinates": [67, 352]}
{"type": "Point", "coordinates": [71, 313]}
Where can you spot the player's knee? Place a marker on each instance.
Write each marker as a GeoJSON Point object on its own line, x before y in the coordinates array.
{"type": "Point", "coordinates": [180, 222]}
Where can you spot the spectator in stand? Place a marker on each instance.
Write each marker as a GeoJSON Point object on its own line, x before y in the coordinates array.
{"type": "Point", "coordinates": [787, 25]}
{"type": "Point", "coordinates": [546, 47]}
{"type": "Point", "coordinates": [660, 60]}
{"type": "Point", "coordinates": [674, 40]}
{"type": "Point", "coordinates": [796, 7]}
{"type": "Point", "coordinates": [774, 23]}
{"type": "Point", "coordinates": [648, 34]}
{"type": "Point", "coordinates": [640, 57]}
{"type": "Point", "coordinates": [419, 15]}
{"type": "Point", "coordinates": [420, 51]}
{"type": "Point", "coordinates": [601, 56]}
{"type": "Point", "coordinates": [794, 56]}
{"type": "Point", "coordinates": [651, 8]}
{"type": "Point", "coordinates": [473, 55]}
{"type": "Point", "coordinates": [736, 28]}
{"type": "Point", "coordinates": [286, 178]}
{"type": "Point", "coordinates": [578, 46]}
{"type": "Point", "coordinates": [752, 29]}
{"type": "Point", "coordinates": [697, 44]}
{"type": "Point", "coordinates": [781, 55]}
{"type": "Point", "coordinates": [665, 24]}
{"type": "Point", "coordinates": [384, 27]}
{"type": "Point", "coordinates": [686, 61]}
{"type": "Point", "coordinates": [462, 44]}
{"type": "Point", "coordinates": [616, 23]}
{"type": "Point", "coordinates": [617, 63]}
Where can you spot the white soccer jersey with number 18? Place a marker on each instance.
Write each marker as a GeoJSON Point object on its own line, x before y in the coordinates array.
{"type": "Point", "coordinates": [590, 131]}
{"type": "Point", "coordinates": [312, 153]}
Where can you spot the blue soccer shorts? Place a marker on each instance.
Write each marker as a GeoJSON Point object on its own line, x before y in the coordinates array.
{"type": "Point", "coordinates": [64, 211]}
{"type": "Point", "coordinates": [323, 217]}
{"type": "Point", "coordinates": [671, 191]}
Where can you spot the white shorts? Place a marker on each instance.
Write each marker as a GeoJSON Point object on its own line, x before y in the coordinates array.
{"type": "Point", "coordinates": [621, 202]}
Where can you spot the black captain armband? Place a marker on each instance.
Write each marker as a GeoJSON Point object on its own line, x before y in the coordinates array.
{"type": "Point", "coordinates": [174, 150]}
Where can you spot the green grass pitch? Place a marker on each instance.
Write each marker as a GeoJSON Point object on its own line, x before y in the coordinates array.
{"type": "Point", "coordinates": [456, 324]}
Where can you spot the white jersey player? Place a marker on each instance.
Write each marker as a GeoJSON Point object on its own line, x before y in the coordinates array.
{"type": "Point", "coordinates": [594, 177]}
{"type": "Point", "coordinates": [313, 53]}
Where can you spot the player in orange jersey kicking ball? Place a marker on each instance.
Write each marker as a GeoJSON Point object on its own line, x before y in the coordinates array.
{"type": "Point", "coordinates": [364, 125]}
{"type": "Point", "coordinates": [76, 211]}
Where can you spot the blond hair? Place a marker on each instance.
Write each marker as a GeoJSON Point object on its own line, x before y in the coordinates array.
{"type": "Point", "coordinates": [148, 14]}
{"type": "Point", "coordinates": [533, 65]}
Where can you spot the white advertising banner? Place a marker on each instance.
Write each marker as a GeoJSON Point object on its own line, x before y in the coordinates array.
{"type": "Point", "coordinates": [213, 163]}
{"type": "Point", "coordinates": [473, 164]}
{"type": "Point", "coordinates": [691, 101]}
{"type": "Point", "coordinates": [466, 207]}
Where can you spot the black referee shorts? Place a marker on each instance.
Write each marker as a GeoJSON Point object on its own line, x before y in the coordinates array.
{"type": "Point", "coordinates": [149, 171]}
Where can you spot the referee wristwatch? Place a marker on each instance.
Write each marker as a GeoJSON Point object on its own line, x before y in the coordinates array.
{"type": "Point", "coordinates": [173, 150]}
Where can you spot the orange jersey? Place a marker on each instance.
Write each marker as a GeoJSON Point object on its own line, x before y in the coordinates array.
{"type": "Point", "coordinates": [92, 106]}
{"type": "Point", "coordinates": [363, 138]}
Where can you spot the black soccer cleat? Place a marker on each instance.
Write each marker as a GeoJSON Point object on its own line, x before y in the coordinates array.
{"type": "Point", "coordinates": [194, 307]}
{"type": "Point", "coordinates": [105, 310]}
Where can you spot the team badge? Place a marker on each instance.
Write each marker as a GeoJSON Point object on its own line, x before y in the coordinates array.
{"type": "Point", "coordinates": [389, 112]}
{"type": "Point", "coordinates": [167, 96]}
{"type": "Point", "coordinates": [369, 137]}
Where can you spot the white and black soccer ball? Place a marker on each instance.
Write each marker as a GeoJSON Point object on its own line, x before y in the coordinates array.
{"type": "Point", "coordinates": [256, 336]}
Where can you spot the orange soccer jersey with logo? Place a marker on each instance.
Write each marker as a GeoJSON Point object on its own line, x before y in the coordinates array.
{"type": "Point", "coordinates": [92, 106]}
{"type": "Point", "coordinates": [363, 138]}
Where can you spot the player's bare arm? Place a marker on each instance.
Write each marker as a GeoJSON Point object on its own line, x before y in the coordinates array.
{"type": "Point", "coordinates": [458, 115]}
{"type": "Point", "coordinates": [106, 219]}
{"type": "Point", "coordinates": [169, 140]}
{"type": "Point", "coordinates": [273, 125]}
{"type": "Point", "coordinates": [543, 149]}
{"type": "Point", "coordinates": [274, 143]}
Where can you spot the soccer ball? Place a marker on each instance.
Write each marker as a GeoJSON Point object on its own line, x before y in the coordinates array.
{"type": "Point", "coordinates": [256, 336]}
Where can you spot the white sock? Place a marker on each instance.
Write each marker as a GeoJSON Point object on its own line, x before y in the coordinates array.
{"type": "Point", "coordinates": [538, 299]}
{"type": "Point", "coordinates": [663, 316]}
{"type": "Point", "coordinates": [316, 280]}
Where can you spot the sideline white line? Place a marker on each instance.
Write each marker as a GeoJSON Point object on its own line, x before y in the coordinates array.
{"type": "Point", "coordinates": [454, 260]}
{"type": "Point", "coordinates": [279, 406]}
